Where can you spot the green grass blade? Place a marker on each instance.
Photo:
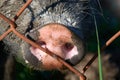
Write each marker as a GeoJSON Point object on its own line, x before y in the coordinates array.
{"type": "Point", "coordinates": [99, 55]}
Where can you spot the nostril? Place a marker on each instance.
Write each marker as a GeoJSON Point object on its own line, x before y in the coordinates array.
{"type": "Point", "coordinates": [41, 43]}
{"type": "Point", "coordinates": [68, 46]}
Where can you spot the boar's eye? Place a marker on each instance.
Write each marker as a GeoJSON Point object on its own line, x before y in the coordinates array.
{"type": "Point", "coordinates": [68, 46]}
